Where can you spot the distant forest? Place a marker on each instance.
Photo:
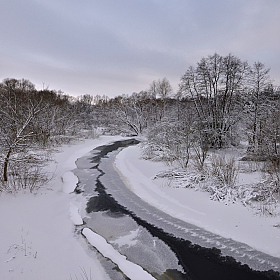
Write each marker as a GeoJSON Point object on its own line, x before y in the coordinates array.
{"type": "Point", "coordinates": [222, 101]}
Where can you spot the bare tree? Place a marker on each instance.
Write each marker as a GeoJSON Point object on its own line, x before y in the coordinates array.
{"type": "Point", "coordinates": [19, 109]}
{"type": "Point", "coordinates": [259, 81]}
{"type": "Point", "coordinates": [163, 90]}
{"type": "Point", "coordinates": [135, 111]}
{"type": "Point", "coordinates": [169, 142]}
{"type": "Point", "coordinates": [214, 86]}
{"type": "Point", "coordinates": [30, 120]}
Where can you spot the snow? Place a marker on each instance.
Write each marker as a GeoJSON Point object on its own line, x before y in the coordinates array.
{"type": "Point", "coordinates": [38, 239]}
{"type": "Point", "coordinates": [69, 182]}
{"type": "Point", "coordinates": [230, 221]}
{"type": "Point", "coordinates": [75, 215]}
{"type": "Point", "coordinates": [131, 270]}
{"type": "Point", "coordinates": [127, 240]}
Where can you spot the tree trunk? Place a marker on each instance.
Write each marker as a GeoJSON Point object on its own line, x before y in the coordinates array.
{"type": "Point", "coordinates": [6, 162]}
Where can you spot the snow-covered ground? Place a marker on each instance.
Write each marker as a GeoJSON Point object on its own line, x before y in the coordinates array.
{"type": "Point", "coordinates": [230, 221]}
{"type": "Point", "coordinates": [38, 239]}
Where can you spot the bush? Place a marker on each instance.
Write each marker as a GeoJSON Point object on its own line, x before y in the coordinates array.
{"type": "Point", "coordinates": [273, 174]}
{"type": "Point", "coordinates": [26, 173]}
{"type": "Point", "coordinates": [224, 170]}
{"type": "Point", "coordinates": [169, 143]}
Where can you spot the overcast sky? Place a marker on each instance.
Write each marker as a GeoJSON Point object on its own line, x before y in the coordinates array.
{"type": "Point", "coordinates": [120, 46]}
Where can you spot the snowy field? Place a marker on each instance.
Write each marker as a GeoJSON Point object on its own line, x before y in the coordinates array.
{"type": "Point", "coordinates": [230, 221]}
{"type": "Point", "coordinates": [38, 239]}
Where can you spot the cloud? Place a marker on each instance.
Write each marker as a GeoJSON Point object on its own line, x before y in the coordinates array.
{"type": "Point", "coordinates": [115, 47]}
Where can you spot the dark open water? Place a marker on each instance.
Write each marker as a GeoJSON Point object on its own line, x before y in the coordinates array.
{"type": "Point", "coordinates": [197, 262]}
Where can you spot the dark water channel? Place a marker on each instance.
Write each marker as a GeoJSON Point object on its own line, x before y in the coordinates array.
{"type": "Point", "coordinates": [196, 262]}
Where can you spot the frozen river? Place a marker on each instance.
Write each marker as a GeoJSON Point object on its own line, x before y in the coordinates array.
{"type": "Point", "coordinates": [166, 247]}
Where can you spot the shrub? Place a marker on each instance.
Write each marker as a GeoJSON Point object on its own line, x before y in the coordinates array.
{"type": "Point", "coordinates": [224, 169]}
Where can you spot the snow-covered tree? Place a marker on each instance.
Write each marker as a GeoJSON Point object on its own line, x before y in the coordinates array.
{"type": "Point", "coordinates": [135, 111]}
{"type": "Point", "coordinates": [30, 120]}
{"type": "Point", "coordinates": [259, 105]}
{"type": "Point", "coordinates": [162, 90]}
{"type": "Point", "coordinates": [19, 111]}
{"type": "Point", "coordinates": [169, 142]}
{"type": "Point", "coordinates": [214, 86]}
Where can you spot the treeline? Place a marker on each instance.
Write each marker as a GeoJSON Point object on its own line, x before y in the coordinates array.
{"type": "Point", "coordinates": [221, 101]}
{"type": "Point", "coordinates": [31, 121]}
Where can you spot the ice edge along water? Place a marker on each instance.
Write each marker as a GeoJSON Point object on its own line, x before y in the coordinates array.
{"type": "Point", "coordinates": [69, 184]}
{"type": "Point", "coordinates": [70, 181]}
{"type": "Point", "coordinates": [130, 269]}
{"type": "Point", "coordinates": [34, 226]}
{"type": "Point", "coordinates": [126, 162]}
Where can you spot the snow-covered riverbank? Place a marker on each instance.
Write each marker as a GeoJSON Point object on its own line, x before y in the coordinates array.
{"type": "Point", "coordinates": [233, 221]}
{"type": "Point", "coordinates": [37, 238]}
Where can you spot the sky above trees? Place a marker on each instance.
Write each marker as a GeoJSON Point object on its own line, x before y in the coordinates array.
{"type": "Point", "coordinates": [121, 46]}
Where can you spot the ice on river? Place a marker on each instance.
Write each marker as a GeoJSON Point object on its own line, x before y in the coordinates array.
{"type": "Point", "coordinates": [130, 269]}
{"type": "Point", "coordinates": [233, 222]}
